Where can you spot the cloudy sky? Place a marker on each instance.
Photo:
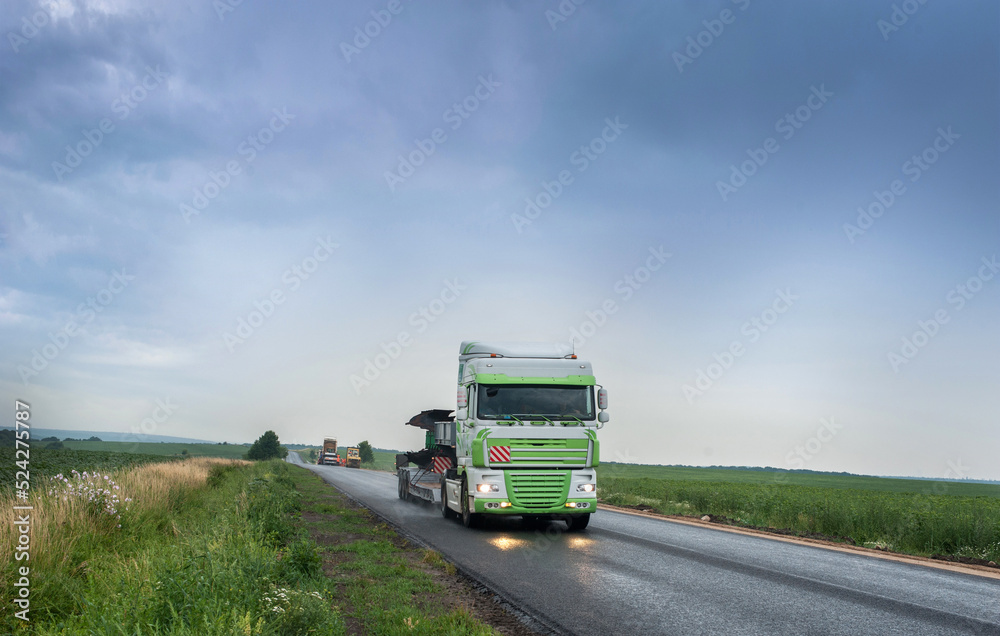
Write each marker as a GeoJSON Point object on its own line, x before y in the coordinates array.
{"type": "Point", "coordinates": [772, 227]}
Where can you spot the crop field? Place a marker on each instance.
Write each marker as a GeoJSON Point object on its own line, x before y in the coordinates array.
{"type": "Point", "coordinates": [824, 480]}
{"type": "Point", "coordinates": [48, 463]}
{"type": "Point", "coordinates": [226, 451]}
{"type": "Point", "coordinates": [952, 519]}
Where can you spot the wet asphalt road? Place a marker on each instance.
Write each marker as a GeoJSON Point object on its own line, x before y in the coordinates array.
{"type": "Point", "coordinates": [632, 575]}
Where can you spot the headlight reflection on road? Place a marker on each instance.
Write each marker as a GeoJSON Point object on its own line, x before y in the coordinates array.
{"type": "Point", "coordinates": [580, 543]}
{"type": "Point", "coordinates": [505, 543]}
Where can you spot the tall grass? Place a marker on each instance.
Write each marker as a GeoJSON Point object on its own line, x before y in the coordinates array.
{"type": "Point", "coordinates": [206, 547]}
{"type": "Point", "coordinates": [60, 523]}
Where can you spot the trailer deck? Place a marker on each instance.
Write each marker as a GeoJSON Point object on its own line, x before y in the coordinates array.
{"type": "Point", "coordinates": [419, 483]}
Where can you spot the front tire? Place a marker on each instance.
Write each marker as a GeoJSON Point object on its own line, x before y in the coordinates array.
{"type": "Point", "coordinates": [446, 512]}
{"type": "Point", "coordinates": [577, 523]}
{"type": "Point", "coordinates": [469, 519]}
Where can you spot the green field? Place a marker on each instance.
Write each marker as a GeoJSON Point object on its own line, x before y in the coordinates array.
{"type": "Point", "coordinates": [953, 519]}
{"type": "Point", "coordinates": [823, 480]}
{"type": "Point", "coordinates": [44, 463]}
{"type": "Point", "coordinates": [227, 451]}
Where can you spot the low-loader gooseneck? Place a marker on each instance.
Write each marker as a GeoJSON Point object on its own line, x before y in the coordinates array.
{"type": "Point", "coordinates": [523, 440]}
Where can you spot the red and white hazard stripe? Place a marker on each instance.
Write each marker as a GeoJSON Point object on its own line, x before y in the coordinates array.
{"type": "Point", "coordinates": [500, 454]}
{"type": "Point", "coordinates": [441, 464]}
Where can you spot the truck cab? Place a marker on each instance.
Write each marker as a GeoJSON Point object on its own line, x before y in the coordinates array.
{"type": "Point", "coordinates": [525, 434]}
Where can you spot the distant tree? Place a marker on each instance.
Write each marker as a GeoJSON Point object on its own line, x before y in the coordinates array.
{"type": "Point", "coordinates": [7, 437]}
{"type": "Point", "coordinates": [184, 452]}
{"type": "Point", "coordinates": [52, 438]}
{"type": "Point", "coordinates": [94, 438]}
{"type": "Point", "coordinates": [365, 450]}
{"type": "Point", "coordinates": [266, 447]}
{"type": "Point", "coordinates": [71, 439]}
{"type": "Point", "coordinates": [56, 445]}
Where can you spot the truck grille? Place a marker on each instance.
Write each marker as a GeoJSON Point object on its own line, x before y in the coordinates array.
{"type": "Point", "coordinates": [538, 490]}
{"type": "Point", "coordinates": [546, 452]}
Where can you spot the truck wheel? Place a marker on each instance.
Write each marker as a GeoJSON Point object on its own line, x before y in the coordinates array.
{"type": "Point", "coordinates": [446, 512]}
{"type": "Point", "coordinates": [403, 486]}
{"type": "Point", "coordinates": [469, 519]}
{"type": "Point", "coordinates": [577, 522]}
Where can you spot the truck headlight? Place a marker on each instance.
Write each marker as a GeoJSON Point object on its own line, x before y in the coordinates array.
{"type": "Point", "coordinates": [488, 488]}
{"type": "Point", "coordinates": [585, 488]}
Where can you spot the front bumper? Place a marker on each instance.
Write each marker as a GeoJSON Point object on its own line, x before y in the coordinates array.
{"type": "Point", "coordinates": [493, 507]}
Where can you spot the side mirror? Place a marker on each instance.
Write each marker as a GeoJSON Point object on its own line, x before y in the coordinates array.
{"type": "Point", "coordinates": [602, 417]}
{"type": "Point", "coordinates": [462, 414]}
{"type": "Point", "coordinates": [602, 399]}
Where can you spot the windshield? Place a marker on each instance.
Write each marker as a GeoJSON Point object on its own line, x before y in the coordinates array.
{"type": "Point", "coordinates": [520, 401]}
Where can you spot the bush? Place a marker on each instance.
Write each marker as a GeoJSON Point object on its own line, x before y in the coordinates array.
{"type": "Point", "coordinates": [266, 447]}
{"type": "Point", "coordinates": [365, 450]}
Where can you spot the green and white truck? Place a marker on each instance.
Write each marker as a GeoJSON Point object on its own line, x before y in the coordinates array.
{"type": "Point", "coordinates": [523, 440]}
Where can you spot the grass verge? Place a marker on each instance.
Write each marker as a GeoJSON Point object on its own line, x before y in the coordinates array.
{"type": "Point", "coordinates": [205, 546]}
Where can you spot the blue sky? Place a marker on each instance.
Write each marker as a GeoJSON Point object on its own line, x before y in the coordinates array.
{"type": "Point", "coordinates": [216, 216]}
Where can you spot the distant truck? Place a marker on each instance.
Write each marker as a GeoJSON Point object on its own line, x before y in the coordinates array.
{"type": "Point", "coordinates": [523, 440]}
{"type": "Point", "coordinates": [328, 454]}
{"type": "Point", "coordinates": [353, 457]}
